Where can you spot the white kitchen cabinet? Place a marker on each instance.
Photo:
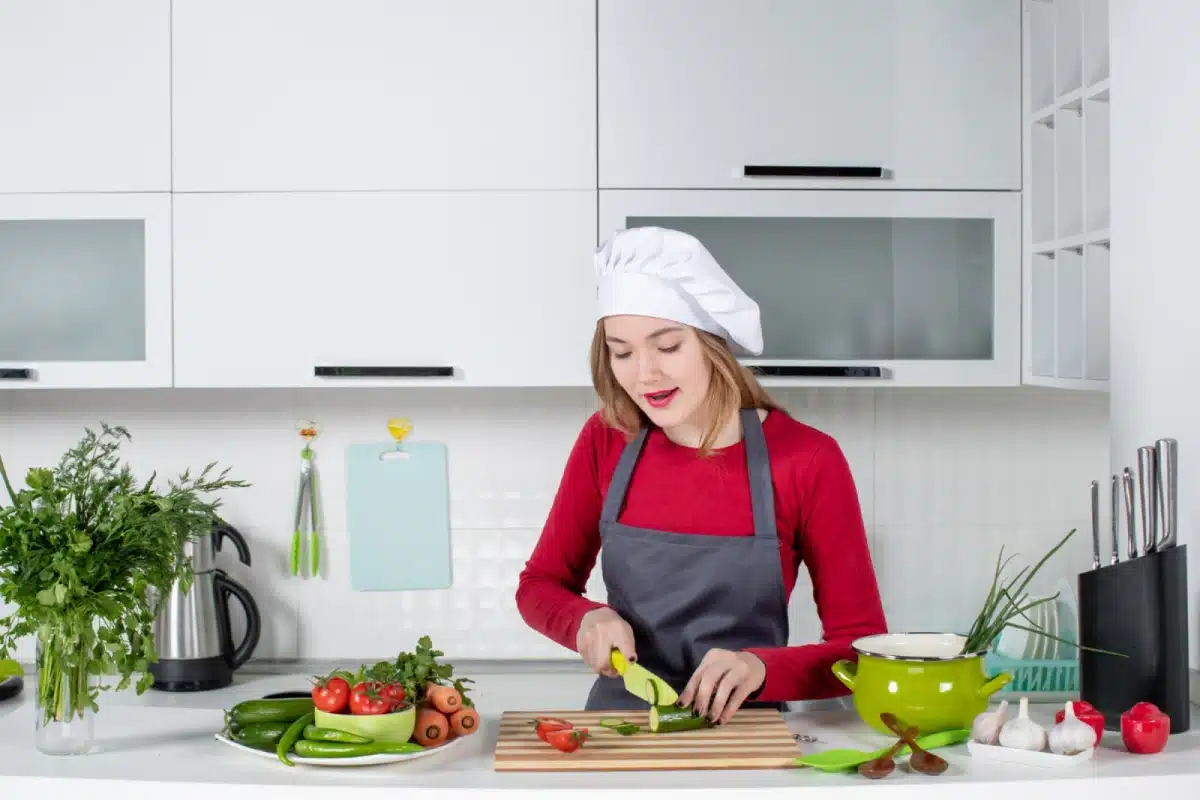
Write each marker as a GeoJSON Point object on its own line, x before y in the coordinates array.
{"type": "Point", "coordinates": [383, 289]}
{"type": "Point", "coordinates": [861, 288]}
{"type": "Point", "coordinates": [693, 93]}
{"type": "Point", "coordinates": [384, 94]}
{"type": "Point", "coordinates": [85, 96]}
{"type": "Point", "coordinates": [85, 290]}
{"type": "Point", "coordinates": [1066, 205]}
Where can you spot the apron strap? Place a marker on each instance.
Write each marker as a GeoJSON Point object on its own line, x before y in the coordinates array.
{"type": "Point", "coordinates": [758, 466]}
{"type": "Point", "coordinates": [614, 498]}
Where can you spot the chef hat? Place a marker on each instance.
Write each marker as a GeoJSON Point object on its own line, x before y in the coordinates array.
{"type": "Point", "coordinates": [657, 272]}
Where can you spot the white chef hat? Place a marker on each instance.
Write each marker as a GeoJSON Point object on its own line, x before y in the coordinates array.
{"type": "Point", "coordinates": [658, 272]}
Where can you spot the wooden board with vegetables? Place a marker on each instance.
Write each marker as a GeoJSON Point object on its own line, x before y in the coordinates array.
{"type": "Point", "coordinates": [666, 738]}
{"type": "Point", "coordinates": [378, 712]}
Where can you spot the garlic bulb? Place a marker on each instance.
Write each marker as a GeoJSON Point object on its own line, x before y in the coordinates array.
{"type": "Point", "coordinates": [1022, 733]}
{"type": "Point", "coordinates": [1072, 735]}
{"type": "Point", "coordinates": [986, 727]}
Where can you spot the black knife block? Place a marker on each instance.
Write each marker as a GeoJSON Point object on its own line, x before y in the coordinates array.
{"type": "Point", "coordinates": [1138, 608]}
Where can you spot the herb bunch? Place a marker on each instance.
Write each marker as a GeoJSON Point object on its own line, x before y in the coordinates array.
{"type": "Point", "coordinates": [414, 671]}
{"type": "Point", "coordinates": [1008, 602]}
{"type": "Point", "coordinates": [86, 556]}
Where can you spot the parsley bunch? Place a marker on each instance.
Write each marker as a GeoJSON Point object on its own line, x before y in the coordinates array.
{"type": "Point", "coordinates": [84, 552]}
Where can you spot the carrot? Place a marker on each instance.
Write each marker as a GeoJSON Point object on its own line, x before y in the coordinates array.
{"type": "Point", "coordinates": [445, 699]}
{"type": "Point", "coordinates": [431, 727]}
{"type": "Point", "coordinates": [464, 721]}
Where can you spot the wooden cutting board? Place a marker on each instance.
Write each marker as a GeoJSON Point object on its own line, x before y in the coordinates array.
{"type": "Point", "coordinates": [756, 738]}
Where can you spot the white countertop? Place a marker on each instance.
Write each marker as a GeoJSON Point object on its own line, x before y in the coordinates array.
{"type": "Point", "coordinates": [162, 744]}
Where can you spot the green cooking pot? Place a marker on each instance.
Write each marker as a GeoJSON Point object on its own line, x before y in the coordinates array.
{"type": "Point", "coordinates": [923, 678]}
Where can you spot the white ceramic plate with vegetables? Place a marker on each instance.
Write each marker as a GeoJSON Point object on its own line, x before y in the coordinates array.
{"type": "Point", "coordinates": [355, 761]}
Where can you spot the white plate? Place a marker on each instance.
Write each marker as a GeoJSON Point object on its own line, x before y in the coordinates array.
{"type": "Point", "coordinates": [1068, 618]}
{"type": "Point", "coordinates": [360, 761]}
{"type": "Point", "coordinates": [1031, 758]}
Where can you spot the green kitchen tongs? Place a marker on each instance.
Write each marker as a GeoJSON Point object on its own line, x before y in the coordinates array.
{"type": "Point", "coordinates": [308, 488]}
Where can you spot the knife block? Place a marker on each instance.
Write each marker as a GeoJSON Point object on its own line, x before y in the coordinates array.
{"type": "Point", "coordinates": [1138, 608]}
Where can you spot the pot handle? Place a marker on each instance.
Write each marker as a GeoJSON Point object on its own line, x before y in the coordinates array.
{"type": "Point", "coordinates": [995, 684]}
{"type": "Point", "coordinates": [846, 671]}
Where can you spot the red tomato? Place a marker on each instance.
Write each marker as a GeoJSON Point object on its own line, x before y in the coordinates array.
{"type": "Point", "coordinates": [365, 699]}
{"type": "Point", "coordinates": [1144, 729]}
{"type": "Point", "coordinates": [545, 725]}
{"type": "Point", "coordinates": [393, 693]}
{"type": "Point", "coordinates": [568, 740]}
{"type": "Point", "coordinates": [331, 695]}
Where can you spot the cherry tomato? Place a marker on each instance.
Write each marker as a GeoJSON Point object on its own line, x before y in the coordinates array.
{"type": "Point", "coordinates": [568, 740]}
{"type": "Point", "coordinates": [393, 693]}
{"type": "Point", "coordinates": [331, 695]}
{"type": "Point", "coordinates": [365, 699]}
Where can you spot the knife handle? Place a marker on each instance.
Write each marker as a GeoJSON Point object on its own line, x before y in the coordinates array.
{"type": "Point", "coordinates": [1115, 518]}
{"type": "Point", "coordinates": [1166, 457]}
{"type": "Point", "coordinates": [1095, 525]}
{"type": "Point", "coordinates": [1147, 470]}
{"type": "Point", "coordinates": [1130, 518]}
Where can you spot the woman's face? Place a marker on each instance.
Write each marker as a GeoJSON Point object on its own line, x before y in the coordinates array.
{"type": "Point", "coordinates": [660, 365]}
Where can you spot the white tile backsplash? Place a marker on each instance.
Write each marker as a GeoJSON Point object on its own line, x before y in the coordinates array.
{"type": "Point", "coordinates": [945, 477]}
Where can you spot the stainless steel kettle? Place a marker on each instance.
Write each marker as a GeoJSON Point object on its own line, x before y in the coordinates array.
{"type": "Point", "coordinates": [192, 632]}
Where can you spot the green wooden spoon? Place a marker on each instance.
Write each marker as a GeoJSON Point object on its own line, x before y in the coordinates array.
{"type": "Point", "coordinates": [847, 759]}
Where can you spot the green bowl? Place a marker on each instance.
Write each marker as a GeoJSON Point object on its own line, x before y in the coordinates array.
{"type": "Point", "coordinates": [394, 727]}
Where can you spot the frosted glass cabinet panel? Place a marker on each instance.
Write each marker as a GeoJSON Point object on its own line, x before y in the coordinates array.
{"type": "Point", "coordinates": [85, 290]}
{"type": "Point", "coordinates": [861, 287]}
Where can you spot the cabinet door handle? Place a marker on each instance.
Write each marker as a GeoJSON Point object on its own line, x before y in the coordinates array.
{"type": "Point", "coordinates": [383, 372]}
{"type": "Point", "coordinates": [15, 374]}
{"type": "Point", "coordinates": [801, 171]}
{"type": "Point", "coordinates": [805, 371]}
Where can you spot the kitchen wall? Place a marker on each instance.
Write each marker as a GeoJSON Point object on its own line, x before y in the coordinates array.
{"type": "Point", "coordinates": [946, 477]}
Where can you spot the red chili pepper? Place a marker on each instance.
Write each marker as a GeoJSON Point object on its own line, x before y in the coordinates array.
{"type": "Point", "coordinates": [568, 740]}
{"type": "Point", "coordinates": [1144, 729]}
{"type": "Point", "coordinates": [1086, 713]}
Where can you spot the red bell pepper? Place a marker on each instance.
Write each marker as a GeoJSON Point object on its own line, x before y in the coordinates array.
{"type": "Point", "coordinates": [1144, 728]}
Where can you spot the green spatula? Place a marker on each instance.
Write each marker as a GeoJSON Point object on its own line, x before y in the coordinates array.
{"type": "Point", "coordinates": [847, 759]}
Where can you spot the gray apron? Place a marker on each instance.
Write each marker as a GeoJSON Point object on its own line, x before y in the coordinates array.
{"type": "Point", "coordinates": [683, 593]}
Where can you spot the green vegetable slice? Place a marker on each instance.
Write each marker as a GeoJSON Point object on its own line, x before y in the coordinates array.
{"type": "Point", "coordinates": [672, 719]}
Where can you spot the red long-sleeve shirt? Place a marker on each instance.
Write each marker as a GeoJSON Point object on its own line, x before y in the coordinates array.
{"type": "Point", "coordinates": [817, 514]}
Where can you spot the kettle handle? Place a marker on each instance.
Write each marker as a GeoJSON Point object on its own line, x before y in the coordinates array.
{"type": "Point", "coordinates": [226, 586]}
{"type": "Point", "coordinates": [224, 530]}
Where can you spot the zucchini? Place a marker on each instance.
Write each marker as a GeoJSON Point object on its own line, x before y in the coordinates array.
{"type": "Point", "coordinates": [264, 710]}
{"type": "Point", "coordinates": [308, 748]}
{"type": "Point", "coordinates": [261, 735]}
{"type": "Point", "coordinates": [672, 719]}
{"type": "Point", "coordinates": [315, 734]}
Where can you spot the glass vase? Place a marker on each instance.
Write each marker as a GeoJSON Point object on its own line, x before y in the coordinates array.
{"type": "Point", "coordinates": [62, 699]}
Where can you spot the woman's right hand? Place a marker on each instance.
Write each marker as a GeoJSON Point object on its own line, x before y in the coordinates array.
{"type": "Point", "coordinates": [600, 630]}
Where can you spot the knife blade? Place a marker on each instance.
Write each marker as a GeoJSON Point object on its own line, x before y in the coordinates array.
{"type": "Point", "coordinates": [1130, 517]}
{"type": "Point", "coordinates": [1095, 524]}
{"type": "Point", "coordinates": [1166, 457]}
{"type": "Point", "coordinates": [1149, 497]}
{"type": "Point", "coordinates": [641, 682]}
{"type": "Point", "coordinates": [1115, 523]}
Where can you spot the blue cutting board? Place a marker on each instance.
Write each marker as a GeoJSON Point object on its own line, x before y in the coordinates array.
{"type": "Point", "coordinates": [398, 516]}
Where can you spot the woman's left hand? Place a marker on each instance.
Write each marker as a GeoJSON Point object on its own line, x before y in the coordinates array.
{"type": "Point", "coordinates": [722, 682]}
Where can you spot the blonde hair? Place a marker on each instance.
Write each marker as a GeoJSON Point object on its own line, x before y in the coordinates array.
{"type": "Point", "coordinates": [733, 386]}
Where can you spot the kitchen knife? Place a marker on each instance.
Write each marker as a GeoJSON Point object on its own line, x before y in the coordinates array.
{"type": "Point", "coordinates": [1166, 457]}
{"type": "Point", "coordinates": [641, 682]}
{"type": "Point", "coordinates": [1130, 518]}
{"type": "Point", "coordinates": [1116, 520]}
{"type": "Point", "coordinates": [1095, 525]}
{"type": "Point", "coordinates": [1149, 497]}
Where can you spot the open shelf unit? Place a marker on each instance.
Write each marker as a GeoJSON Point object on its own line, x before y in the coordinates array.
{"type": "Point", "coordinates": [1066, 194]}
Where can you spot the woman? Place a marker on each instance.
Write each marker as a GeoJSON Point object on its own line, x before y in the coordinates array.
{"type": "Point", "coordinates": [701, 496]}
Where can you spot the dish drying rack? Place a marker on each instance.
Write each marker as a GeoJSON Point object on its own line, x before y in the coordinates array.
{"type": "Point", "coordinates": [1034, 676]}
